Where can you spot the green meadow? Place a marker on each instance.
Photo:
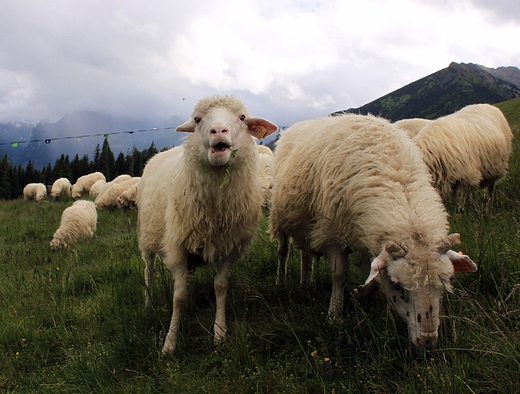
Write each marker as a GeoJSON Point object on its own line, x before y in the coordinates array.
{"type": "Point", "coordinates": [74, 321]}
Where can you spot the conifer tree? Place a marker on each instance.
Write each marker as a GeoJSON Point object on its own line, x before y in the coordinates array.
{"type": "Point", "coordinates": [5, 187]}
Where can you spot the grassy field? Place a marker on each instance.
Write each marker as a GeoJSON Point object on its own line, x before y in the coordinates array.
{"type": "Point", "coordinates": [74, 321]}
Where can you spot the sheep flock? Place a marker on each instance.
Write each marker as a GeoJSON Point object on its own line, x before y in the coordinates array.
{"type": "Point", "coordinates": [349, 185]}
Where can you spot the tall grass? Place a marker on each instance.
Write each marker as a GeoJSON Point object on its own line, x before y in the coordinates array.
{"type": "Point", "coordinates": [74, 320]}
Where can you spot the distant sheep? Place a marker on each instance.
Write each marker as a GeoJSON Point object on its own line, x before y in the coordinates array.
{"type": "Point", "coordinates": [77, 221]}
{"type": "Point", "coordinates": [61, 187]}
{"type": "Point", "coordinates": [265, 161]}
{"type": "Point", "coordinates": [118, 179]}
{"type": "Point", "coordinates": [108, 197]}
{"type": "Point", "coordinates": [265, 149]}
{"type": "Point", "coordinates": [466, 150]}
{"type": "Point", "coordinates": [200, 203]}
{"type": "Point", "coordinates": [128, 198]}
{"type": "Point", "coordinates": [84, 183]}
{"type": "Point", "coordinates": [357, 183]}
{"type": "Point", "coordinates": [35, 191]}
{"type": "Point", "coordinates": [412, 126]}
{"type": "Point", "coordinates": [96, 187]}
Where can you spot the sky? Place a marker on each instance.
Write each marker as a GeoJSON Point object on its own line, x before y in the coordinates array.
{"type": "Point", "coordinates": [287, 60]}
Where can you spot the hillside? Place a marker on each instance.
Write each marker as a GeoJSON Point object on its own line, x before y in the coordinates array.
{"type": "Point", "coordinates": [446, 91]}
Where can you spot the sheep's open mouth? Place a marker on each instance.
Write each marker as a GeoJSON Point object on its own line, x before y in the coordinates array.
{"type": "Point", "coordinates": [219, 148]}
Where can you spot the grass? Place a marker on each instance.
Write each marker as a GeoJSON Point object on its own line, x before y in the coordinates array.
{"type": "Point", "coordinates": [74, 320]}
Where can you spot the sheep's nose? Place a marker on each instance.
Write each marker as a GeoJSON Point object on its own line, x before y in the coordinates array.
{"type": "Point", "coordinates": [427, 340]}
{"type": "Point", "coordinates": [219, 130]}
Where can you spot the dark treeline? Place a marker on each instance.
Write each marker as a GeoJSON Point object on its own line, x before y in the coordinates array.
{"type": "Point", "coordinates": [14, 178]}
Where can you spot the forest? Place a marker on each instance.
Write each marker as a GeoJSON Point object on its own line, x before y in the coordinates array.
{"type": "Point", "coordinates": [14, 178]}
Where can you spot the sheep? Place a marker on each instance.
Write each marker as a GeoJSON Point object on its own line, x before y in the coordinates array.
{"type": "Point", "coordinates": [265, 161]}
{"type": "Point", "coordinates": [118, 179]}
{"type": "Point", "coordinates": [60, 187]}
{"type": "Point", "coordinates": [412, 126]}
{"type": "Point", "coordinates": [358, 183]}
{"type": "Point", "coordinates": [34, 191]}
{"type": "Point", "coordinates": [200, 203]}
{"type": "Point", "coordinates": [109, 195]}
{"type": "Point", "coordinates": [84, 183]}
{"type": "Point", "coordinates": [466, 150]}
{"type": "Point", "coordinates": [127, 199]}
{"type": "Point", "coordinates": [77, 221]}
{"type": "Point", "coordinates": [265, 149]}
{"type": "Point", "coordinates": [96, 187]}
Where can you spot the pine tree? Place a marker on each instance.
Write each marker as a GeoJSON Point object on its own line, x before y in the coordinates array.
{"type": "Point", "coordinates": [5, 187]}
{"type": "Point", "coordinates": [107, 162]}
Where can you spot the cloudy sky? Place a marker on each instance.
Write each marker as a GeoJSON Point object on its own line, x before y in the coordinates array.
{"type": "Point", "coordinates": [287, 60]}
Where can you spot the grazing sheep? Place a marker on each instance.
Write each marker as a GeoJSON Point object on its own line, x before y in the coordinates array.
{"type": "Point", "coordinates": [128, 198]}
{"type": "Point", "coordinates": [109, 195]}
{"type": "Point", "coordinates": [60, 187]}
{"type": "Point", "coordinates": [84, 183]}
{"type": "Point", "coordinates": [357, 183]}
{"type": "Point", "coordinates": [78, 220]}
{"type": "Point", "coordinates": [412, 126]}
{"type": "Point", "coordinates": [34, 191]}
{"type": "Point", "coordinates": [466, 150]}
{"type": "Point", "coordinates": [118, 179]}
{"type": "Point", "coordinates": [96, 187]}
{"type": "Point", "coordinates": [200, 203]}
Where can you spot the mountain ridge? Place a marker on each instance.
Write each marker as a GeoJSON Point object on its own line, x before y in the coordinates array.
{"type": "Point", "coordinates": [444, 92]}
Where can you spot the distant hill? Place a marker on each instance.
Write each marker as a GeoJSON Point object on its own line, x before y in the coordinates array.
{"type": "Point", "coordinates": [79, 133]}
{"type": "Point", "coordinates": [446, 91]}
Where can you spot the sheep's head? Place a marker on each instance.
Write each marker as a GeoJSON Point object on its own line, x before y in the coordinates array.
{"type": "Point", "coordinates": [413, 280]}
{"type": "Point", "coordinates": [222, 122]}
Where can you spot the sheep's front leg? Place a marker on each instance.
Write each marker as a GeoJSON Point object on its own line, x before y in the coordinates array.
{"type": "Point", "coordinates": [179, 269]}
{"type": "Point", "coordinates": [338, 261]}
{"type": "Point", "coordinates": [221, 285]}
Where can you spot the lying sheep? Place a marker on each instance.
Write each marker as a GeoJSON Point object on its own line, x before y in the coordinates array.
{"type": "Point", "coordinates": [34, 191]}
{"type": "Point", "coordinates": [77, 221]}
{"type": "Point", "coordinates": [466, 150]}
{"type": "Point", "coordinates": [108, 197]}
{"type": "Point", "coordinates": [357, 183]}
{"type": "Point", "coordinates": [60, 187]}
{"type": "Point", "coordinates": [412, 126]}
{"type": "Point", "coordinates": [96, 187]}
{"type": "Point", "coordinates": [200, 203]}
{"type": "Point", "coordinates": [84, 183]}
{"type": "Point", "coordinates": [128, 198]}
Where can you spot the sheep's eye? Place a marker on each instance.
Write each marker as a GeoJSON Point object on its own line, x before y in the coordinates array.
{"type": "Point", "coordinates": [197, 119]}
{"type": "Point", "coordinates": [242, 117]}
{"type": "Point", "coordinates": [396, 286]}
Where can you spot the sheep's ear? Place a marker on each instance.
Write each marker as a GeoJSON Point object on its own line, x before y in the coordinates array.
{"type": "Point", "coordinates": [188, 126]}
{"type": "Point", "coordinates": [461, 262]}
{"type": "Point", "coordinates": [377, 265]}
{"type": "Point", "coordinates": [260, 128]}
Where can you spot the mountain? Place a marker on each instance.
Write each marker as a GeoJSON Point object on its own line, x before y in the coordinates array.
{"type": "Point", "coordinates": [79, 133]}
{"type": "Point", "coordinates": [446, 91]}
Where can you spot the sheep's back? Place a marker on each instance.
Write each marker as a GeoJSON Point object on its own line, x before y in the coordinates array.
{"type": "Point", "coordinates": [350, 176]}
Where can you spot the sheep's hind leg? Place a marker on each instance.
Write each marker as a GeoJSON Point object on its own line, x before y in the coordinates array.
{"type": "Point", "coordinates": [149, 276]}
{"type": "Point", "coordinates": [221, 286]}
{"type": "Point", "coordinates": [283, 255]}
{"type": "Point", "coordinates": [308, 259]}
